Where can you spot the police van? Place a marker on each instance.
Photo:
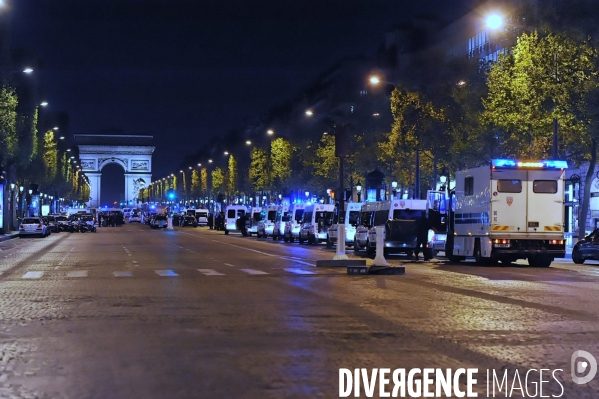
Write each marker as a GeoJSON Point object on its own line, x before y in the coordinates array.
{"type": "Point", "coordinates": [316, 222]}
{"type": "Point", "coordinates": [232, 213]}
{"type": "Point", "coordinates": [294, 222]}
{"type": "Point", "coordinates": [349, 218]}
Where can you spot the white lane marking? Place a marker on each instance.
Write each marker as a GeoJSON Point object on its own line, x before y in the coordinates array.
{"type": "Point", "coordinates": [228, 264]}
{"type": "Point", "coordinates": [134, 261]}
{"type": "Point", "coordinates": [247, 249]}
{"type": "Point", "coordinates": [122, 274]}
{"type": "Point", "coordinates": [210, 272]}
{"type": "Point", "coordinates": [298, 271]}
{"type": "Point", "coordinates": [296, 260]}
{"type": "Point", "coordinates": [129, 255]}
{"type": "Point", "coordinates": [77, 273]}
{"type": "Point", "coordinates": [253, 271]}
{"type": "Point", "coordinates": [166, 273]}
{"type": "Point", "coordinates": [33, 275]}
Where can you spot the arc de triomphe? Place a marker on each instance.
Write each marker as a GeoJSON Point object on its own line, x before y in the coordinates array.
{"type": "Point", "coordinates": [132, 152]}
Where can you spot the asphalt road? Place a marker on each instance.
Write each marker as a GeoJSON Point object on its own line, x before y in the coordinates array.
{"type": "Point", "coordinates": [133, 312]}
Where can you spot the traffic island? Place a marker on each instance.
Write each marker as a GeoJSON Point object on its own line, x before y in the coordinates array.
{"type": "Point", "coordinates": [380, 270]}
{"type": "Point", "coordinates": [341, 263]}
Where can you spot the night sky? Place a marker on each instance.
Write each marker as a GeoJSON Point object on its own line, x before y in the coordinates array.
{"type": "Point", "coordinates": [186, 70]}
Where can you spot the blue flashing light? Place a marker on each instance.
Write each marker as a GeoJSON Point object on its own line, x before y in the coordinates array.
{"type": "Point", "coordinates": [171, 196]}
{"type": "Point", "coordinates": [153, 207]}
{"type": "Point", "coordinates": [541, 164]}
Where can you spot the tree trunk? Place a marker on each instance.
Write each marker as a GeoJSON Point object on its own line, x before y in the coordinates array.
{"type": "Point", "coordinates": [582, 221]}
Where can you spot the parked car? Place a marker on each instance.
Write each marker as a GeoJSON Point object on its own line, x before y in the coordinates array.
{"type": "Point", "coordinates": [33, 226]}
{"type": "Point", "coordinates": [62, 222]}
{"type": "Point", "coordinates": [52, 223]}
{"type": "Point", "coordinates": [188, 221]}
{"type": "Point", "coordinates": [587, 248]}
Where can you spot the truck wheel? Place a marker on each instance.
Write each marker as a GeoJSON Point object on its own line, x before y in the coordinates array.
{"type": "Point", "coordinates": [539, 261]}
{"type": "Point", "coordinates": [285, 239]}
{"type": "Point", "coordinates": [577, 257]}
{"type": "Point", "coordinates": [356, 248]}
{"type": "Point", "coordinates": [329, 243]}
{"type": "Point", "coordinates": [311, 240]}
{"type": "Point", "coordinates": [478, 258]}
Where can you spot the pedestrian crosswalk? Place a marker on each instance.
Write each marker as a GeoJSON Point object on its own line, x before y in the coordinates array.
{"type": "Point", "coordinates": [80, 274]}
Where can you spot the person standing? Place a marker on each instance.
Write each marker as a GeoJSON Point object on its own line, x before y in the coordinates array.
{"type": "Point", "coordinates": [422, 227]}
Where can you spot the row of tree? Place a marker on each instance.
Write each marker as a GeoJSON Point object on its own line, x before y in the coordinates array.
{"type": "Point", "coordinates": [31, 158]}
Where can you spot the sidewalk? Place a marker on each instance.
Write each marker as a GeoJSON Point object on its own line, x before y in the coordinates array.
{"type": "Point", "coordinates": [9, 236]}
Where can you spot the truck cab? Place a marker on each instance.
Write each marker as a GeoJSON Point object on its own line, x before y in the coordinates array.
{"type": "Point", "coordinates": [294, 223]}
{"type": "Point", "coordinates": [201, 216]}
{"type": "Point", "coordinates": [349, 218]}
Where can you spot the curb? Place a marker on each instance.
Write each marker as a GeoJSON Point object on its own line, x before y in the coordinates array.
{"type": "Point", "coordinates": [340, 263]}
{"type": "Point", "coordinates": [6, 237]}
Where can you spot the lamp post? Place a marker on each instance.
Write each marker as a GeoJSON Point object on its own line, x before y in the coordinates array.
{"type": "Point", "coordinates": [359, 191]}
{"type": "Point", "coordinates": [29, 203]}
{"type": "Point", "coordinates": [394, 189]}
{"type": "Point", "coordinates": [21, 202]}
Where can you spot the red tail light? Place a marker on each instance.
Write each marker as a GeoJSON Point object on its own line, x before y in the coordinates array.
{"type": "Point", "coordinates": [39, 226]}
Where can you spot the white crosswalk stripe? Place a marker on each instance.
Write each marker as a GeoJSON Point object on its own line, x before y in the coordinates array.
{"type": "Point", "coordinates": [210, 272]}
{"type": "Point", "coordinates": [77, 273]}
{"type": "Point", "coordinates": [253, 271]}
{"type": "Point", "coordinates": [122, 274]}
{"type": "Point", "coordinates": [33, 275]}
{"type": "Point", "coordinates": [298, 271]}
{"type": "Point", "coordinates": [166, 273]}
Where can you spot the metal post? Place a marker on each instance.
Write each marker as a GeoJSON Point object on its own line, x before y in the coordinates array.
{"type": "Point", "coordinates": [379, 259]}
{"type": "Point", "coordinates": [340, 242]}
{"type": "Point", "coordinates": [417, 177]}
{"type": "Point", "coordinates": [341, 190]}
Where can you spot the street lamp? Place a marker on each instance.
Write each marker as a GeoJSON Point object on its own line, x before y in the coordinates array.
{"type": "Point", "coordinates": [359, 191]}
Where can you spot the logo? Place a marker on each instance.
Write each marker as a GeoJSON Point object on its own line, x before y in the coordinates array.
{"type": "Point", "coordinates": [495, 193]}
{"type": "Point", "coordinates": [509, 200]}
{"type": "Point", "coordinates": [402, 204]}
{"type": "Point", "coordinates": [579, 367]}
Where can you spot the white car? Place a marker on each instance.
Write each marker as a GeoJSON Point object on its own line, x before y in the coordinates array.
{"type": "Point", "coordinates": [33, 226]}
{"type": "Point", "coordinates": [135, 217]}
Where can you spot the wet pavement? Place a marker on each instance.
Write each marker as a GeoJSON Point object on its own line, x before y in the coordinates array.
{"type": "Point", "coordinates": [133, 312]}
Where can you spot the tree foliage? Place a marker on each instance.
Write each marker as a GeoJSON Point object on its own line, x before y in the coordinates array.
{"type": "Point", "coordinates": [218, 179]}
{"type": "Point", "coordinates": [232, 176]}
{"type": "Point", "coordinates": [50, 156]}
{"type": "Point", "coordinates": [281, 154]}
{"type": "Point", "coordinates": [8, 125]}
{"type": "Point", "coordinates": [260, 173]}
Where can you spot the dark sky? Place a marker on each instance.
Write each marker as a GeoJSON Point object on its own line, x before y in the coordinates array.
{"type": "Point", "coordinates": [186, 70]}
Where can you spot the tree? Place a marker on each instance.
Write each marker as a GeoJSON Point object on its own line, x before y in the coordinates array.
{"type": "Point", "coordinates": [195, 182]}
{"type": "Point", "coordinates": [260, 170]}
{"type": "Point", "coordinates": [50, 156]}
{"type": "Point", "coordinates": [8, 125]}
{"type": "Point", "coordinates": [218, 179]}
{"type": "Point", "coordinates": [204, 179]}
{"type": "Point", "coordinates": [542, 79]}
{"type": "Point", "coordinates": [232, 176]}
{"type": "Point", "coordinates": [281, 154]}
{"type": "Point", "coordinates": [322, 164]}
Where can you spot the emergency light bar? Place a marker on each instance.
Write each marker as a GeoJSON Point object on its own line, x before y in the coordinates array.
{"type": "Point", "coordinates": [511, 163]}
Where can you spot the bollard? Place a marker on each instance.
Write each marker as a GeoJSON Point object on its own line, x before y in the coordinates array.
{"type": "Point", "coordinates": [340, 242]}
{"type": "Point", "coordinates": [379, 259]}
{"type": "Point", "coordinates": [169, 225]}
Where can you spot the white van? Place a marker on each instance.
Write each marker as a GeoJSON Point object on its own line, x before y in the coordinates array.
{"type": "Point", "coordinates": [282, 217]}
{"type": "Point", "coordinates": [255, 214]}
{"type": "Point", "coordinates": [400, 218]}
{"type": "Point", "coordinates": [201, 216]}
{"type": "Point", "coordinates": [363, 226]}
{"type": "Point", "coordinates": [316, 222]}
{"type": "Point", "coordinates": [267, 223]}
{"type": "Point", "coordinates": [294, 223]}
{"type": "Point", "coordinates": [232, 213]}
{"type": "Point", "coordinates": [349, 218]}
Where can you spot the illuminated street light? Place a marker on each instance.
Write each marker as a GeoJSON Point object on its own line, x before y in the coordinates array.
{"type": "Point", "coordinates": [248, 142]}
{"type": "Point", "coordinates": [309, 112]}
{"type": "Point", "coordinates": [210, 161]}
{"type": "Point", "coordinates": [44, 103]}
{"type": "Point", "coordinates": [226, 152]}
{"type": "Point", "coordinates": [26, 70]}
{"type": "Point", "coordinates": [494, 21]}
{"type": "Point", "coordinates": [199, 164]}
{"type": "Point", "coordinates": [270, 132]}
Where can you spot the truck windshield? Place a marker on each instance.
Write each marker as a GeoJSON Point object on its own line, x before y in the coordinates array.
{"type": "Point", "coordinates": [353, 218]}
{"type": "Point", "coordinates": [406, 214]}
{"type": "Point", "coordinates": [298, 215]}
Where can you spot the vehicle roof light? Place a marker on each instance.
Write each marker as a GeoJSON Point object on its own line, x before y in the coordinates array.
{"type": "Point", "coordinates": [540, 164]}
